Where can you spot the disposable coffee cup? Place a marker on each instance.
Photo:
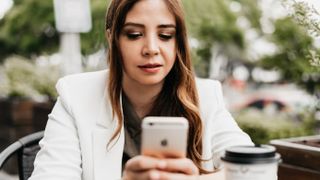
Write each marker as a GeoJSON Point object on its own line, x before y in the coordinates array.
{"type": "Point", "coordinates": [251, 163]}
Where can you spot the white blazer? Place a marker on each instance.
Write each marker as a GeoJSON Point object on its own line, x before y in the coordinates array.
{"type": "Point", "coordinates": [81, 124]}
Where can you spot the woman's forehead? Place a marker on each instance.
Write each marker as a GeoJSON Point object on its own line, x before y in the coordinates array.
{"type": "Point", "coordinates": [150, 11]}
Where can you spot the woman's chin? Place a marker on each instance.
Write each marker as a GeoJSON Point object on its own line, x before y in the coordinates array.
{"type": "Point", "coordinates": [151, 81]}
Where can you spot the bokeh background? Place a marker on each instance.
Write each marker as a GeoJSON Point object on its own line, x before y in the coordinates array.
{"type": "Point", "coordinates": [265, 53]}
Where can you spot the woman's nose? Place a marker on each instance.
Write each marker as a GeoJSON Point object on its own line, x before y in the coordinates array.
{"type": "Point", "coordinates": [151, 47]}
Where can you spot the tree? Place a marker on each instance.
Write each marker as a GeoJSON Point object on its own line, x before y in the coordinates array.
{"type": "Point", "coordinates": [293, 44]}
{"type": "Point", "coordinates": [214, 24]}
{"type": "Point", "coordinates": [308, 18]}
{"type": "Point", "coordinates": [28, 29]}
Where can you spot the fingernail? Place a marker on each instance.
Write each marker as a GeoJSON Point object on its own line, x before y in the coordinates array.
{"type": "Point", "coordinates": [154, 175]}
{"type": "Point", "coordinates": [162, 164]}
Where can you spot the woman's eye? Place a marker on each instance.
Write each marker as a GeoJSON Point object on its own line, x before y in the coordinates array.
{"type": "Point", "coordinates": [133, 35]}
{"type": "Point", "coordinates": [166, 36]}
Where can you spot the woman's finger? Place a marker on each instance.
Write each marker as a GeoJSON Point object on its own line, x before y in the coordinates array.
{"type": "Point", "coordinates": [183, 165]}
{"type": "Point", "coordinates": [164, 175]}
{"type": "Point", "coordinates": [142, 175]}
{"type": "Point", "coordinates": [142, 163]}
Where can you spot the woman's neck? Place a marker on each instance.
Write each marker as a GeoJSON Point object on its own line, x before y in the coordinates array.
{"type": "Point", "coordinates": [140, 96]}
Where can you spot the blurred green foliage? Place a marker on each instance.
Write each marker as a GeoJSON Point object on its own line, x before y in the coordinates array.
{"type": "Point", "coordinates": [263, 127]}
{"type": "Point", "coordinates": [307, 16]}
{"type": "Point", "coordinates": [22, 78]}
{"type": "Point", "coordinates": [28, 30]}
{"type": "Point", "coordinates": [95, 39]}
{"type": "Point", "coordinates": [18, 73]}
{"type": "Point", "coordinates": [214, 25]}
{"type": "Point", "coordinates": [291, 58]}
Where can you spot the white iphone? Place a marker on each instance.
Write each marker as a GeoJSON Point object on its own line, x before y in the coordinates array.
{"type": "Point", "coordinates": [164, 137]}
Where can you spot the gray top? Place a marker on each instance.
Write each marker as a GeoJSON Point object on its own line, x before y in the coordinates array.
{"type": "Point", "coordinates": [132, 130]}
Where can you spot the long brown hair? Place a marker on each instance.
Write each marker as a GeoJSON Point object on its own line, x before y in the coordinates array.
{"type": "Point", "coordinates": [179, 91]}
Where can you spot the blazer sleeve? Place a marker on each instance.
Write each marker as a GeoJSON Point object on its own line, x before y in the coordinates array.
{"type": "Point", "coordinates": [59, 156]}
{"type": "Point", "coordinates": [223, 130]}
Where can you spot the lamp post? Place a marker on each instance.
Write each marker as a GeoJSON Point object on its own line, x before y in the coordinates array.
{"type": "Point", "coordinates": [72, 17]}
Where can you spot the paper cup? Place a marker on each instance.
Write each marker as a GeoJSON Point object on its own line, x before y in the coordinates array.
{"type": "Point", "coordinates": [251, 163]}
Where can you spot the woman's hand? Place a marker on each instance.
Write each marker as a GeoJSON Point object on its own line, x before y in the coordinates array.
{"type": "Point", "coordinates": [143, 167]}
{"type": "Point", "coordinates": [149, 168]}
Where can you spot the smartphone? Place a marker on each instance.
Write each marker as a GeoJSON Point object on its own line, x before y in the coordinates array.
{"type": "Point", "coordinates": [164, 137]}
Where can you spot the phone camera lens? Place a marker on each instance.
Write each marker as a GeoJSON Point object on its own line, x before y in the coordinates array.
{"type": "Point", "coordinates": [164, 142]}
{"type": "Point", "coordinates": [151, 124]}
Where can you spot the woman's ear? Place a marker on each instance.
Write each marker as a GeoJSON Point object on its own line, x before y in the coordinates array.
{"type": "Point", "coordinates": [108, 36]}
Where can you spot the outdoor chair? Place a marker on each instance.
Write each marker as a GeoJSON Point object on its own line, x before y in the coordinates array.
{"type": "Point", "coordinates": [26, 149]}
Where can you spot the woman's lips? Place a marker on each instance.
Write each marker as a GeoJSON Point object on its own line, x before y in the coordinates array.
{"type": "Point", "coordinates": [150, 68]}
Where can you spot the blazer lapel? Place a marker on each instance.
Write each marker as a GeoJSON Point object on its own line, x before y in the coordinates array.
{"type": "Point", "coordinates": [105, 119]}
{"type": "Point", "coordinates": [107, 160]}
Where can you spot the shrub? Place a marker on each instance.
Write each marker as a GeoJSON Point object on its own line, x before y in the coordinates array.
{"type": "Point", "coordinates": [263, 127]}
{"type": "Point", "coordinates": [21, 78]}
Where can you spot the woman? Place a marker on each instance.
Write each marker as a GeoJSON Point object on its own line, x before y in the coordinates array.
{"type": "Point", "coordinates": [93, 131]}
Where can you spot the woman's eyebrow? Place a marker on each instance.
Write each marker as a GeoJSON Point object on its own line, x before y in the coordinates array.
{"type": "Point", "coordinates": [167, 26]}
{"type": "Point", "coordinates": [142, 25]}
{"type": "Point", "coordinates": [133, 24]}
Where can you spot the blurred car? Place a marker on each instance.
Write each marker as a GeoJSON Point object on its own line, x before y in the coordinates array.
{"type": "Point", "coordinates": [283, 97]}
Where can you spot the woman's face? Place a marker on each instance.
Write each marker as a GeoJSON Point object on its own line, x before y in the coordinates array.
{"type": "Point", "coordinates": [148, 43]}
